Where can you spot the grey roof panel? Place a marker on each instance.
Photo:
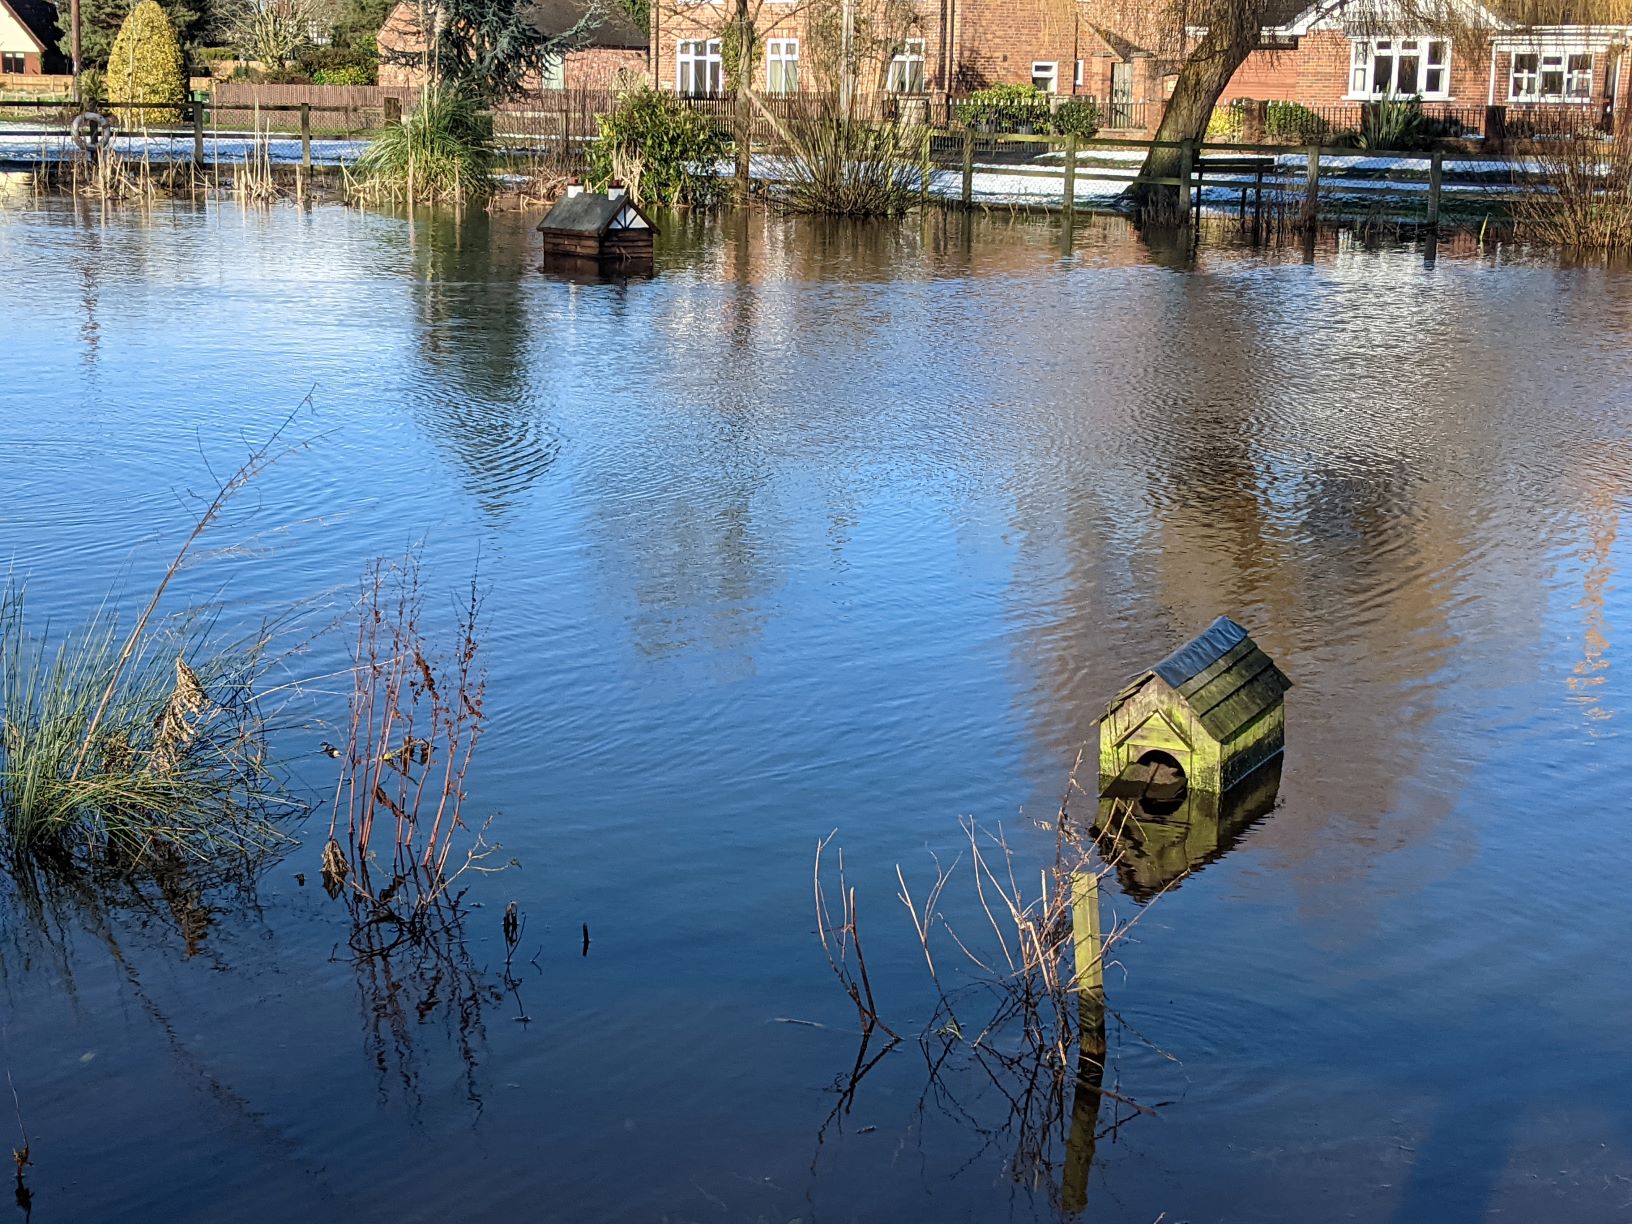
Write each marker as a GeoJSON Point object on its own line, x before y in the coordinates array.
{"type": "Point", "coordinates": [1201, 651]}
{"type": "Point", "coordinates": [588, 212]}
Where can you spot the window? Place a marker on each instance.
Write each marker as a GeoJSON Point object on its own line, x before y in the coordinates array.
{"type": "Point", "coordinates": [555, 72]}
{"type": "Point", "coordinates": [1550, 77]}
{"type": "Point", "coordinates": [1046, 77]}
{"type": "Point", "coordinates": [1077, 79]}
{"type": "Point", "coordinates": [781, 65]}
{"type": "Point", "coordinates": [697, 68]}
{"type": "Point", "coordinates": [1399, 67]}
{"type": "Point", "coordinates": [906, 74]}
{"type": "Point", "coordinates": [11, 61]}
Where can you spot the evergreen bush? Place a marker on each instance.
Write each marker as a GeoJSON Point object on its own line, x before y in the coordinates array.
{"type": "Point", "coordinates": [1006, 108]}
{"type": "Point", "coordinates": [145, 66]}
{"type": "Point", "coordinates": [668, 153]}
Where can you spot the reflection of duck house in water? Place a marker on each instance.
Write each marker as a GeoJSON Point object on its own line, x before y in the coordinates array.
{"type": "Point", "coordinates": [1183, 751]}
{"type": "Point", "coordinates": [607, 227]}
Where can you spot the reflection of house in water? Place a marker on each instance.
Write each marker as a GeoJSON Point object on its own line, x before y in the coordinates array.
{"type": "Point", "coordinates": [1152, 845]}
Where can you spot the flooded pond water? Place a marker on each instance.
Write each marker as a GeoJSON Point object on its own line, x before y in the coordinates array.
{"type": "Point", "coordinates": [836, 528]}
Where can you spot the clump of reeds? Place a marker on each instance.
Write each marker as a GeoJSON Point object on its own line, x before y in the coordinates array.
{"type": "Point", "coordinates": [135, 750]}
{"type": "Point", "coordinates": [398, 838]}
{"type": "Point", "coordinates": [441, 152]}
{"type": "Point", "coordinates": [1577, 192]}
{"type": "Point", "coordinates": [841, 165]}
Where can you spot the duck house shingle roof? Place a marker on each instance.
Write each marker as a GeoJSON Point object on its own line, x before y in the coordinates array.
{"type": "Point", "coordinates": [588, 212]}
{"type": "Point", "coordinates": [1223, 677]}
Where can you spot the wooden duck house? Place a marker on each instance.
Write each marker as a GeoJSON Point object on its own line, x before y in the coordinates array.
{"type": "Point", "coordinates": [1202, 719]}
{"type": "Point", "coordinates": [607, 227]}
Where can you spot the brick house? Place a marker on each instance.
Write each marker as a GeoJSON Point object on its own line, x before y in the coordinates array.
{"type": "Point", "coordinates": [28, 38]}
{"type": "Point", "coordinates": [616, 46]}
{"type": "Point", "coordinates": [1322, 59]}
{"type": "Point", "coordinates": [952, 47]}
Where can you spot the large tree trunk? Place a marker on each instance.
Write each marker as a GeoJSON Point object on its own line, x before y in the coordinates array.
{"type": "Point", "coordinates": [1202, 78]}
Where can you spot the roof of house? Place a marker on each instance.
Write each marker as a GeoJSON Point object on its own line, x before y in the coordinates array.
{"type": "Point", "coordinates": [588, 212]}
{"type": "Point", "coordinates": [39, 18]}
{"type": "Point", "coordinates": [614, 28]}
{"type": "Point", "coordinates": [1222, 675]}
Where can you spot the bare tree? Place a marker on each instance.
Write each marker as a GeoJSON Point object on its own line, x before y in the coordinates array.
{"type": "Point", "coordinates": [269, 31]}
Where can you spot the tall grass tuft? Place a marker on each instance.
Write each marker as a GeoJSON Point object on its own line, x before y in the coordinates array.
{"type": "Point", "coordinates": [441, 152]}
{"type": "Point", "coordinates": [1578, 193]}
{"type": "Point", "coordinates": [840, 165]}
{"type": "Point", "coordinates": [168, 769]}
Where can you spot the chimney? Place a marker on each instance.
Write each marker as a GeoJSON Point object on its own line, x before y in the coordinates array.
{"type": "Point", "coordinates": [575, 187]}
{"type": "Point", "coordinates": [616, 190]}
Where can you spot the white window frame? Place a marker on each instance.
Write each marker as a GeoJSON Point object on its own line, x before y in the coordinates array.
{"type": "Point", "coordinates": [1432, 55]}
{"type": "Point", "coordinates": [1529, 84]}
{"type": "Point", "coordinates": [906, 71]}
{"type": "Point", "coordinates": [1048, 70]}
{"type": "Point", "coordinates": [781, 65]}
{"type": "Point", "coordinates": [1076, 77]}
{"type": "Point", "coordinates": [692, 55]}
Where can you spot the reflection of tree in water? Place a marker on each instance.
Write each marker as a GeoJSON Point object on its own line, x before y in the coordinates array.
{"type": "Point", "coordinates": [474, 397]}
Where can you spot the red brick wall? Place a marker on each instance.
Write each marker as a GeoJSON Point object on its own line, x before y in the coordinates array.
{"type": "Point", "coordinates": [1317, 74]}
{"type": "Point", "coordinates": [997, 42]}
{"type": "Point", "coordinates": [591, 68]}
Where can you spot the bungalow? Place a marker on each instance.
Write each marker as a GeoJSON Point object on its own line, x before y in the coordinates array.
{"type": "Point", "coordinates": [28, 38]}
{"type": "Point", "coordinates": [616, 46]}
{"type": "Point", "coordinates": [1326, 57]}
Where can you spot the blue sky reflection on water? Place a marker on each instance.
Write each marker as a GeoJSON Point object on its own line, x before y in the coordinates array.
{"type": "Point", "coordinates": [827, 527]}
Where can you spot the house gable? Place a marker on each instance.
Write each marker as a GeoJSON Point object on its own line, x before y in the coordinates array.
{"type": "Point", "coordinates": [15, 33]}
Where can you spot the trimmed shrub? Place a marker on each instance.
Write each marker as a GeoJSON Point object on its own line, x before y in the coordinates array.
{"type": "Point", "coordinates": [1077, 117]}
{"type": "Point", "coordinates": [145, 66]}
{"type": "Point", "coordinates": [343, 76]}
{"type": "Point", "coordinates": [1006, 108]}
{"type": "Point", "coordinates": [667, 153]}
{"type": "Point", "coordinates": [1295, 122]}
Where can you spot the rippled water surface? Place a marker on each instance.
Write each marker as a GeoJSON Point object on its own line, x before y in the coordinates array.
{"type": "Point", "coordinates": [833, 528]}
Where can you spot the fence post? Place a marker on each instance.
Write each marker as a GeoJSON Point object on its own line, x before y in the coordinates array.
{"type": "Point", "coordinates": [1495, 129]}
{"type": "Point", "coordinates": [1436, 172]}
{"type": "Point", "coordinates": [305, 135]}
{"type": "Point", "coordinates": [924, 171]}
{"type": "Point", "coordinates": [1311, 198]}
{"type": "Point", "coordinates": [198, 134]}
{"type": "Point", "coordinates": [968, 169]}
{"type": "Point", "coordinates": [1070, 189]}
{"type": "Point", "coordinates": [1254, 121]}
{"type": "Point", "coordinates": [1186, 165]}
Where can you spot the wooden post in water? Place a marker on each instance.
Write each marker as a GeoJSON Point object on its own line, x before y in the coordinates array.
{"type": "Point", "coordinates": [1311, 197]}
{"type": "Point", "coordinates": [924, 172]}
{"type": "Point", "coordinates": [1187, 156]}
{"type": "Point", "coordinates": [305, 135]}
{"type": "Point", "coordinates": [1436, 174]}
{"type": "Point", "coordinates": [968, 169]}
{"type": "Point", "coordinates": [1069, 190]}
{"type": "Point", "coordinates": [198, 134]}
{"type": "Point", "coordinates": [1090, 982]}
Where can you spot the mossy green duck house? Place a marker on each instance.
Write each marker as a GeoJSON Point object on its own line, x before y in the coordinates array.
{"type": "Point", "coordinates": [1212, 711]}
